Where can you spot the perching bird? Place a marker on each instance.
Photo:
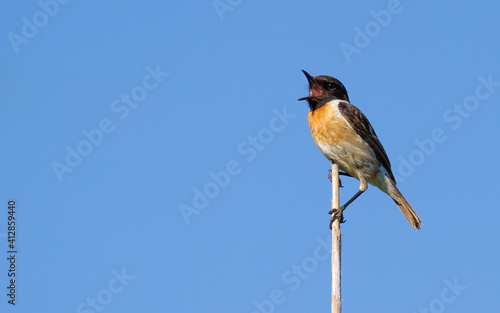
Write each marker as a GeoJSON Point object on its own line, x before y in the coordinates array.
{"type": "Point", "coordinates": [344, 135]}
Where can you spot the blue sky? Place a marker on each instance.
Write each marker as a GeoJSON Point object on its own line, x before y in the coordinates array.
{"type": "Point", "coordinates": [160, 161]}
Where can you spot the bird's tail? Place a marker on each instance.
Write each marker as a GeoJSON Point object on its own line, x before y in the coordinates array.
{"type": "Point", "coordinates": [406, 208]}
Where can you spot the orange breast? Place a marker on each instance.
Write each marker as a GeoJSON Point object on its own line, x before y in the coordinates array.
{"type": "Point", "coordinates": [328, 127]}
{"type": "Point", "coordinates": [339, 142]}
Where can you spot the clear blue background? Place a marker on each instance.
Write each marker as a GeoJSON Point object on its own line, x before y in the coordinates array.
{"type": "Point", "coordinates": [118, 210]}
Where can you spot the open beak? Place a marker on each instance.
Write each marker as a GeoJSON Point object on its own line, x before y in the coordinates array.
{"type": "Point", "coordinates": [309, 77]}
{"type": "Point", "coordinates": [314, 89]}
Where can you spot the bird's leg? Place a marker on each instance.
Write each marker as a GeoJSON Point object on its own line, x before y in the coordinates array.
{"type": "Point", "coordinates": [338, 213]}
{"type": "Point", "coordinates": [340, 173]}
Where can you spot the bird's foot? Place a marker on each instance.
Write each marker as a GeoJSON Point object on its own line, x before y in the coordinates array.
{"type": "Point", "coordinates": [337, 214]}
{"type": "Point", "coordinates": [330, 178]}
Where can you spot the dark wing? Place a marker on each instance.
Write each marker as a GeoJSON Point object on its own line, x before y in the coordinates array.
{"type": "Point", "coordinates": [363, 128]}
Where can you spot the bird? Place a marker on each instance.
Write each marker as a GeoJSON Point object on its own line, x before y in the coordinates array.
{"type": "Point", "coordinates": [345, 136]}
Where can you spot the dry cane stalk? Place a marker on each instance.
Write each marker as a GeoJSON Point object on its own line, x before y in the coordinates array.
{"type": "Point", "coordinates": [336, 300]}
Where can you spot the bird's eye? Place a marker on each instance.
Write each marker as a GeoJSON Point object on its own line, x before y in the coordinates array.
{"type": "Point", "coordinates": [330, 85]}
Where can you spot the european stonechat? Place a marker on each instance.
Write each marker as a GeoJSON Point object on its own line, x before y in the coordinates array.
{"type": "Point", "coordinates": [346, 137]}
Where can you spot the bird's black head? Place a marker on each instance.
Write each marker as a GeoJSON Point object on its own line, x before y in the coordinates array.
{"type": "Point", "coordinates": [323, 89]}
